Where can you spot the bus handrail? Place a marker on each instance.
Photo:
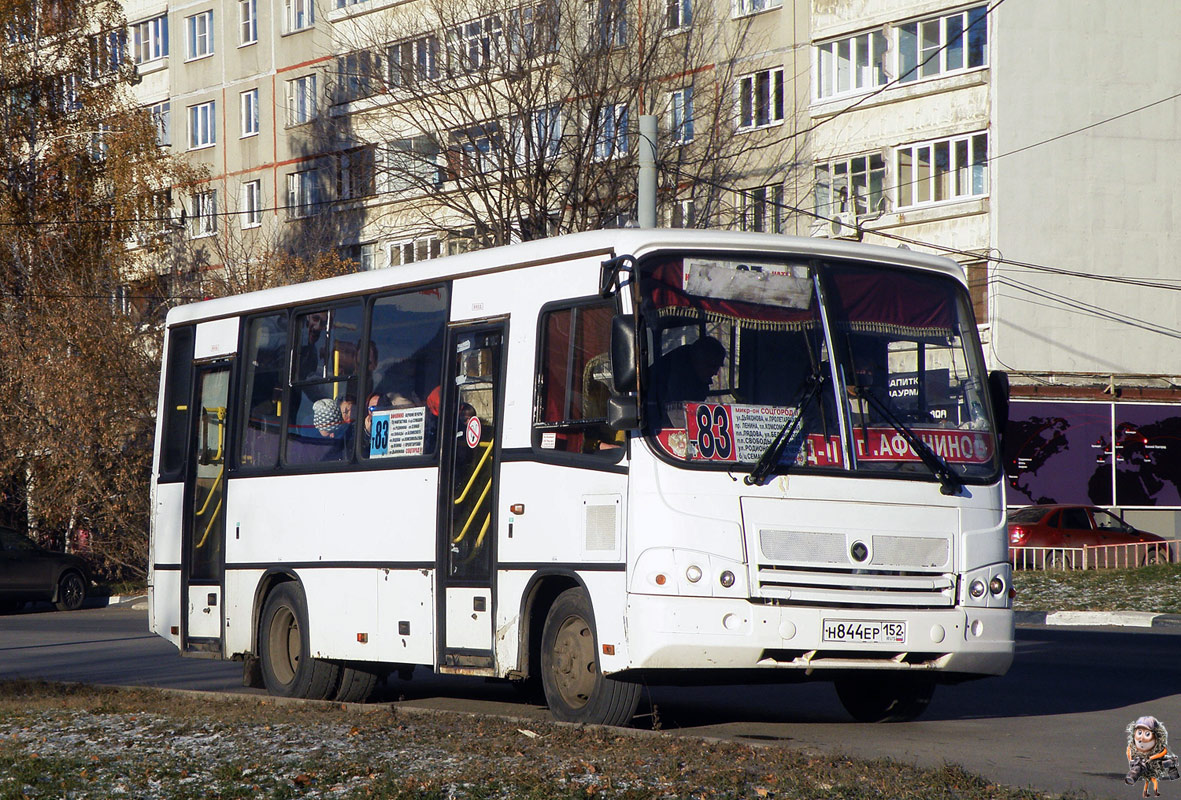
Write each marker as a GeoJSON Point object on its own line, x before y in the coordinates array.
{"type": "Point", "coordinates": [475, 510]}
{"type": "Point", "coordinates": [479, 466]}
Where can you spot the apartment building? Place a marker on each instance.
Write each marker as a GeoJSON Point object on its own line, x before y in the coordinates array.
{"type": "Point", "coordinates": [337, 124]}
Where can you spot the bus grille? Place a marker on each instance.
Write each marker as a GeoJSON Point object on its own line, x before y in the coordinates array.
{"type": "Point", "coordinates": [818, 567]}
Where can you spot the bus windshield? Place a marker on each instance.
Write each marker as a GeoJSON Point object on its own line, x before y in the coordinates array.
{"type": "Point", "coordinates": [777, 364]}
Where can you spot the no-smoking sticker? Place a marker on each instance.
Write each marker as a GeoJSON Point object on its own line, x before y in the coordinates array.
{"type": "Point", "coordinates": [472, 433]}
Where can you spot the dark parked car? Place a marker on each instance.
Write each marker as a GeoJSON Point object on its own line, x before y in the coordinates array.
{"type": "Point", "coordinates": [30, 572]}
{"type": "Point", "coordinates": [1076, 526]}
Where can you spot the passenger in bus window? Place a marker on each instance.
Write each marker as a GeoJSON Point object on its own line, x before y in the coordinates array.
{"type": "Point", "coordinates": [327, 419]}
{"type": "Point", "coordinates": [312, 350]}
{"type": "Point", "coordinates": [687, 373]}
{"type": "Point", "coordinates": [373, 402]}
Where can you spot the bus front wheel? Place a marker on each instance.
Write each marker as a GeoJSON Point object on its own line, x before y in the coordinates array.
{"type": "Point", "coordinates": [885, 696]}
{"type": "Point", "coordinates": [288, 670]}
{"type": "Point", "coordinates": [575, 688]}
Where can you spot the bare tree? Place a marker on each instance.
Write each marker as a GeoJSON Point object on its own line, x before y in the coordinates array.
{"type": "Point", "coordinates": [81, 178]}
{"type": "Point", "coordinates": [513, 121]}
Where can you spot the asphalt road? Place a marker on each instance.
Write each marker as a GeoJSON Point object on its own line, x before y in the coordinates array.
{"type": "Point", "coordinates": [1055, 722]}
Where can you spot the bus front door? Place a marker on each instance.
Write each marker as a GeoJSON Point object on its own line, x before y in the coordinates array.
{"type": "Point", "coordinates": [204, 524]}
{"type": "Point", "coordinates": [468, 498]}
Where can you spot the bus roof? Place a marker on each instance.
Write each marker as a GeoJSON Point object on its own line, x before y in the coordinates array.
{"type": "Point", "coordinates": [604, 243]}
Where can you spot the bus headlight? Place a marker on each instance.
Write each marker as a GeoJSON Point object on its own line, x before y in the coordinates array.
{"type": "Point", "coordinates": [987, 587]}
{"type": "Point", "coordinates": [688, 573]}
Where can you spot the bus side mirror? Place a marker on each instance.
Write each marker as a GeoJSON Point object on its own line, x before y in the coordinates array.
{"type": "Point", "coordinates": [623, 353]}
{"type": "Point", "coordinates": [623, 411]}
{"type": "Point", "coordinates": [998, 393]}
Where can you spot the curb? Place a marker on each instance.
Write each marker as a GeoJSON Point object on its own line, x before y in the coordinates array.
{"type": "Point", "coordinates": [1125, 619]}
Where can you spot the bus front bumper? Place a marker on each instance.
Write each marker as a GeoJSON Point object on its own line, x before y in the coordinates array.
{"type": "Point", "coordinates": [714, 633]}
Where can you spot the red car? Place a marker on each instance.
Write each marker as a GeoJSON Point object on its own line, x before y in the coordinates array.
{"type": "Point", "coordinates": [1076, 526]}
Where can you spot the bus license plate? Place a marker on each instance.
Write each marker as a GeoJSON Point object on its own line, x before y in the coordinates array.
{"type": "Point", "coordinates": [864, 631]}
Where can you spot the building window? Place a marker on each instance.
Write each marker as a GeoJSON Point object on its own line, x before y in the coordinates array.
{"type": "Point", "coordinates": [533, 29]}
{"type": "Point", "coordinates": [473, 151]}
{"type": "Point", "coordinates": [251, 212]}
{"type": "Point", "coordinates": [612, 138]}
{"type": "Point", "coordinates": [149, 39]}
{"type": "Point", "coordinates": [681, 115]}
{"type": "Point", "coordinates": [852, 64]}
{"type": "Point", "coordinates": [106, 53]}
{"type": "Point", "coordinates": [680, 14]}
{"type": "Point", "coordinates": [760, 99]}
{"type": "Point", "coordinates": [607, 20]}
{"type": "Point", "coordinates": [356, 176]}
{"type": "Point", "coordinates": [471, 46]}
{"type": "Point", "coordinates": [762, 209]}
{"type": "Point", "coordinates": [416, 250]}
{"type": "Point", "coordinates": [299, 14]}
{"type": "Point", "coordinates": [355, 73]}
{"type": "Point", "coordinates": [301, 100]}
{"type": "Point", "coordinates": [204, 213]}
{"type": "Point", "coordinates": [303, 193]}
{"type": "Point", "coordinates": [363, 255]}
{"type": "Point", "coordinates": [683, 214]}
{"type": "Point", "coordinates": [249, 106]}
{"type": "Point", "coordinates": [247, 21]}
{"type": "Point", "coordinates": [199, 35]}
{"type": "Point", "coordinates": [537, 137]}
{"type": "Point", "coordinates": [744, 7]}
{"type": "Point", "coordinates": [850, 185]}
{"type": "Point", "coordinates": [943, 45]}
{"type": "Point", "coordinates": [411, 165]}
{"type": "Point", "coordinates": [203, 125]}
{"type": "Point", "coordinates": [65, 98]}
{"type": "Point", "coordinates": [162, 117]}
{"type": "Point", "coordinates": [949, 169]}
{"type": "Point", "coordinates": [412, 61]}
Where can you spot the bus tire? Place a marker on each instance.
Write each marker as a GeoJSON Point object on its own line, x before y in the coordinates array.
{"type": "Point", "coordinates": [288, 670]}
{"type": "Point", "coordinates": [71, 592]}
{"type": "Point", "coordinates": [885, 696]}
{"type": "Point", "coordinates": [357, 682]}
{"type": "Point", "coordinates": [575, 688]}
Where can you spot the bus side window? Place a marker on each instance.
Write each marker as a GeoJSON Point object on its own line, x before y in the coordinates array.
{"type": "Point", "coordinates": [178, 385]}
{"type": "Point", "coordinates": [575, 381]}
{"type": "Point", "coordinates": [266, 375]}
{"type": "Point", "coordinates": [401, 375]}
{"type": "Point", "coordinates": [324, 386]}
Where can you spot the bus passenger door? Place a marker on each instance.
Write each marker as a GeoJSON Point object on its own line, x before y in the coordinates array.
{"type": "Point", "coordinates": [204, 524]}
{"type": "Point", "coordinates": [470, 432]}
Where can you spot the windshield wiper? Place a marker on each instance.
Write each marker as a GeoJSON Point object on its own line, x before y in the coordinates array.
{"type": "Point", "coordinates": [770, 456]}
{"type": "Point", "coordinates": [949, 482]}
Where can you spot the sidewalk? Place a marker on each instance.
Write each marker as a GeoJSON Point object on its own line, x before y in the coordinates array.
{"type": "Point", "coordinates": [1127, 619]}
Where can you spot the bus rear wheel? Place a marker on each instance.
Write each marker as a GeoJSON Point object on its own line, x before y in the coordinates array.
{"type": "Point", "coordinates": [288, 670]}
{"type": "Point", "coordinates": [575, 688]}
{"type": "Point", "coordinates": [885, 696]}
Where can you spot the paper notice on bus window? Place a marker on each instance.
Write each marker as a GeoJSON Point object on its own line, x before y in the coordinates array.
{"type": "Point", "coordinates": [730, 432]}
{"type": "Point", "coordinates": [398, 432]}
{"type": "Point", "coordinates": [785, 285]}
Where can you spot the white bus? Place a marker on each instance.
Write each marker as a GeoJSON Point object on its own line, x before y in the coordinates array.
{"type": "Point", "coordinates": [591, 462]}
